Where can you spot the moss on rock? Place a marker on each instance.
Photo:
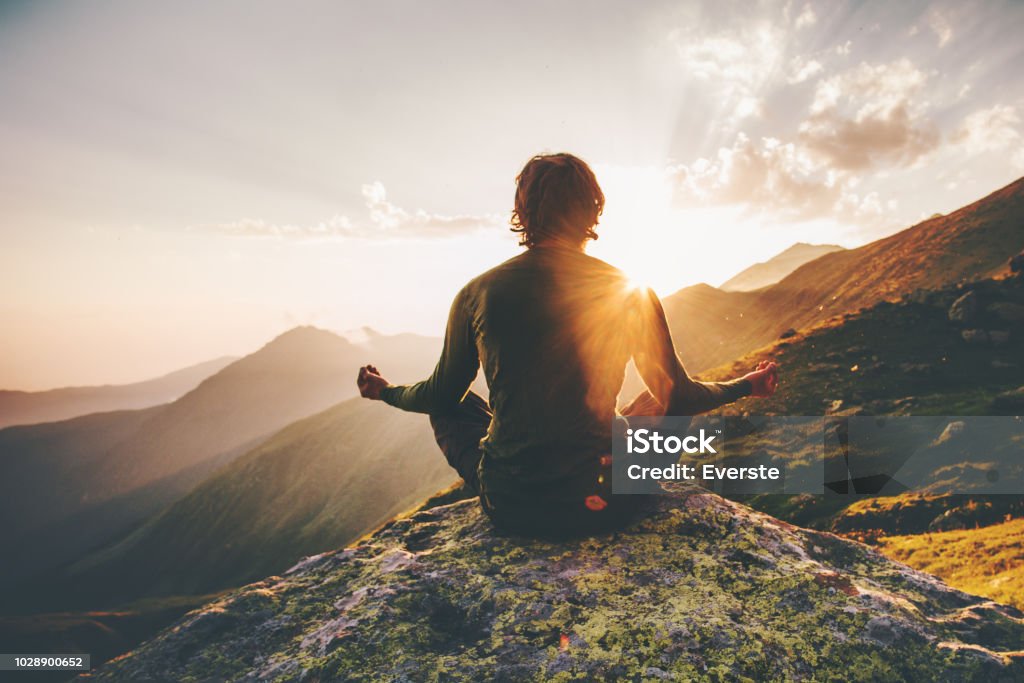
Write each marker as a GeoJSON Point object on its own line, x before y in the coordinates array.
{"type": "Point", "coordinates": [701, 589]}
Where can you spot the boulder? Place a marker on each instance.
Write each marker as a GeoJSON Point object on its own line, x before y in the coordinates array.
{"type": "Point", "coordinates": [1010, 400]}
{"type": "Point", "coordinates": [916, 369]}
{"type": "Point", "coordinates": [975, 336]}
{"type": "Point", "coordinates": [1017, 263]}
{"type": "Point", "coordinates": [964, 309]}
{"type": "Point", "coordinates": [1007, 311]}
{"type": "Point", "coordinates": [952, 431]}
{"type": "Point", "coordinates": [701, 588]}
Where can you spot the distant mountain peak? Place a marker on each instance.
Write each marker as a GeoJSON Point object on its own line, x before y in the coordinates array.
{"type": "Point", "coordinates": [304, 335]}
{"type": "Point", "coordinates": [777, 267]}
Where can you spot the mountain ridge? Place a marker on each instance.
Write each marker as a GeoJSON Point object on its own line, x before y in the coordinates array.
{"type": "Point", "coordinates": [765, 273]}
{"type": "Point", "coordinates": [317, 484]}
{"type": "Point", "coordinates": [54, 473]}
{"type": "Point", "coordinates": [63, 403]}
{"type": "Point", "coordinates": [713, 327]}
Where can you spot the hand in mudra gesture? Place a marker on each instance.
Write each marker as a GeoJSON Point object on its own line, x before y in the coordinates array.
{"type": "Point", "coordinates": [370, 382]}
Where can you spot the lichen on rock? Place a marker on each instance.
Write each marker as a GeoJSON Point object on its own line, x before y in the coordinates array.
{"type": "Point", "coordinates": [700, 589]}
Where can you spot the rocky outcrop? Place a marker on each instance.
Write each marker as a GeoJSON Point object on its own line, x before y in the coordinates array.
{"type": "Point", "coordinates": [964, 309]}
{"type": "Point", "coordinates": [702, 588]}
{"type": "Point", "coordinates": [1016, 263]}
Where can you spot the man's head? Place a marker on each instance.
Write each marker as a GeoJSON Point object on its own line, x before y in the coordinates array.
{"type": "Point", "coordinates": [557, 199]}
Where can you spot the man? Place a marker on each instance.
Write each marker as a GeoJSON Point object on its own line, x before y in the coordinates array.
{"type": "Point", "coordinates": [553, 330]}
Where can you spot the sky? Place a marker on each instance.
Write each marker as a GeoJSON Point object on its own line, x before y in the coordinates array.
{"type": "Point", "coordinates": [185, 180]}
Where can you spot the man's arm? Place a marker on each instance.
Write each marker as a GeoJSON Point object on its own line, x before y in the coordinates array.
{"type": "Point", "coordinates": [663, 373]}
{"type": "Point", "coordinates": [454, 373]}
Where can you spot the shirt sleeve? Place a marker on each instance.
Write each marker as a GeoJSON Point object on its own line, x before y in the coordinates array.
{"type": "Point", "coordinates": [455, 371]}
{"type": "Point", "coordinates": [662, 371]}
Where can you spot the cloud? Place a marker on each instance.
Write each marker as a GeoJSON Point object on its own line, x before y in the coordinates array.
{"type": "Point", "coordinates": [801, 69]}
{"type": "Point", "coordinates": [995, 128]}
{"type": "Point", "coordinates": [735, 64]}
{"type": "Point", "coordinates": [389, 219]}
{"type": "Point", "coordinates": [766, 176]}
{"type": "Point", "coordinates": [807, 18]}
{"type": "Point", "coordinates": [868, 115]}
{"type": "Point", "coordinates": [940, 25]}
{"type": "Point", "coordinates": [385, 220]}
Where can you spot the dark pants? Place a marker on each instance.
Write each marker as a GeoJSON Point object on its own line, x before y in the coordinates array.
{"type": "Point", "coordinates": [587, 506]}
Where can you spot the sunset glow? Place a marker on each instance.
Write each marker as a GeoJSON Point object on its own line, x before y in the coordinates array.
{"type": "Point", "coordinates": [162, 206]}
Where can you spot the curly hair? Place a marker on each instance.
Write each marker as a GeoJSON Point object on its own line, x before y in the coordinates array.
{"type": "Point", "coordinates": [557, 196]}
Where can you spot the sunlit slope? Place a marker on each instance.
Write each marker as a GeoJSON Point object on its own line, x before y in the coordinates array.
{"type": "Point", "coordinates": [314, 486]}
{"type": "Point", "coordinates": [87, 480]}
{"type": "Point", "coordinates": [899, 358]}
{"type": "Point", "coordinates": [909, 358]}
{"type": "Point", "coordinates": [712, 327]}
{"type": "Point", "coordinates": [905, 358]}
{"type": "Point", "coordinates": [33, 407]}
{"type": "Point", "coordinates": [777, 267]}
{"type": "Point", "coordinates": [986, 561]}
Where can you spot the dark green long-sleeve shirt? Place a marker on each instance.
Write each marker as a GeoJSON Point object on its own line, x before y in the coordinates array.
{"type": "Point", "coordinates": [554, 330]}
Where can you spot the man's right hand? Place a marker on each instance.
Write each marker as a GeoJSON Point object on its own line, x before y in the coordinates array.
{"type": "Point", "coordinates": [370, 382]}
{"type": "Point", "coordinates": [764, 379]}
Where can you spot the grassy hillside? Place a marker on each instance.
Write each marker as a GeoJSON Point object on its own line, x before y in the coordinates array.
{"type": "Point", "coordinates": [897, 358]}
{"type": "Point", "coordinates": [88, 480]}
{"type": "Point", "coordinates": [33, 407]}
{"type": "Point", "coordinates": [777, 267]}
{"type": "Point", "coordinates": [712, 326]}
{"type": "Point", "coordinates": [909, 358]}
{"type": "Point", "coordinates": [316, 485]}
{"type": "Point", "coordinates": [986, 561]}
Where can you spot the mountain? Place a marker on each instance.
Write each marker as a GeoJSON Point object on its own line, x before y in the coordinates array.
{"type": "Point", "coordinates": [90, 479]}
{"type": "Point", "coordinates": [874, 362]}
{"type": "Point", "coordinates": [777, 267]}
{"type": "Point", "coordinates": [703, 588]}
{"type": "Point", "coordinates": [712, 326]}
{"type": "Point", "coordinates": [33, 407]}
{"type": "Point", "coordinates": [317, 484]}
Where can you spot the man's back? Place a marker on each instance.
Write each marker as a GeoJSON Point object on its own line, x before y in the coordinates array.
{"type": "Point", "coordinates": [552, 333]}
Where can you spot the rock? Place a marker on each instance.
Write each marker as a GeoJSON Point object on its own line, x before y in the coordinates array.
{"type": "Point", "coordinates": [952, 431]}
{"type": "Point", "coordinates": [975, 336]}
{"type": "Point", "coordinates": [916, 369]}
{"type": "Point", "coordinates": [1017, 263]}
{"type": "Point", "coordinates": [964, 309]}
{"type": "Point", "coordinates": [788, 333]}
{"type": "Point", "coordinates": [1007, 311]}
{"type": "Point", "coordinates": [876, 368]}
{"type": "Point", "coordinates": [700, 585]}
{"type": "Point", "coordinates": [998, 337]}
{"type": "Point", "coordinates": [1009, 400]}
